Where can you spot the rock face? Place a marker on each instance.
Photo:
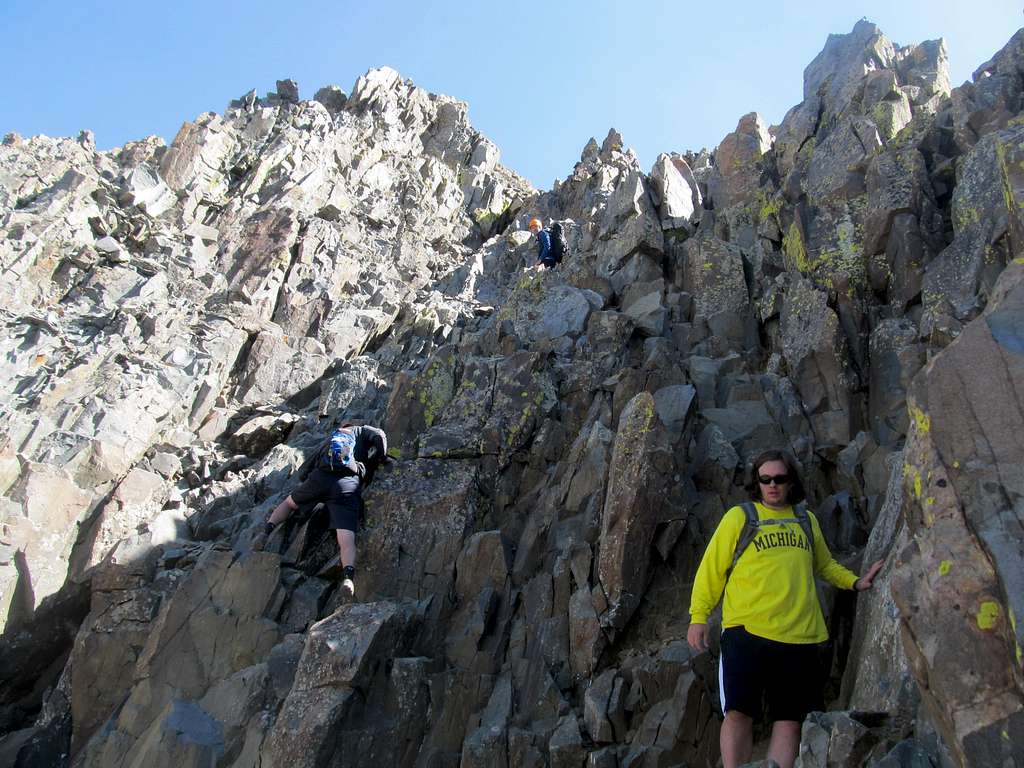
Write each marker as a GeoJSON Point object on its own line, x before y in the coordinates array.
{"type": "Point", "coordinates": [186, 323]}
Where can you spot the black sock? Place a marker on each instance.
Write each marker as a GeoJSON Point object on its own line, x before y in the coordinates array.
{"type": "Point", "coordinates": [348, 572]}
{"type": "Point", "coordinates": [269, 528]}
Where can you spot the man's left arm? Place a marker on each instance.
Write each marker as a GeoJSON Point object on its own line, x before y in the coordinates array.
{"type": "Point", "coordinates": [825, 565]}
{"type": "Point", "coordinates": [545, 245]}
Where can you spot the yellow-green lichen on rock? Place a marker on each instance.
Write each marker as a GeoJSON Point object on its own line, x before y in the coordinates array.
{"type": "Point", "coordinates": [965, 217]}
{"type": "Point", "coordinates": [633, 430]}
{"type": "Point", "coordinates": [435, 387]}
{"type": "Point", "coordinates": [840, 260]}
{"type": "Point", "coordinates": [768, 206]}
{"type": "Point", "coordinates": [988, 615]}
{"type": "Point", "coordinates": [1013, 626]}
{"type": "Point", "coordinates": [795, 250]}
{"type": "Point", "coordinates": [921, 420]}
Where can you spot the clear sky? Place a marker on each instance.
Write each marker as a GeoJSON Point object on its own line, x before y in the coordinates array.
{"type": "Point", "coordinates": [540, 79]}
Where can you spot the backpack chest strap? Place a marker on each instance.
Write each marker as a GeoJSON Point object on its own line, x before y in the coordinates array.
{"type": "Point", "coordinates": [777, 521]}
{"type": "Point", "coordinates": [753, 524]}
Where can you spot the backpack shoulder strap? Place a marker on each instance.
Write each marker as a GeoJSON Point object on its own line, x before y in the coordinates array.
{"type": "Point", "coordinates": [747, 534]}
{"type": "Point", "coordinates": [804, 518]}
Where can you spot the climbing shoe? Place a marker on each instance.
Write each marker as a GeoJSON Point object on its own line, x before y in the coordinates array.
{"type": "Point", "coordinates": [348, 588]}
{"type": "Point", "coordinates": [348, 584]}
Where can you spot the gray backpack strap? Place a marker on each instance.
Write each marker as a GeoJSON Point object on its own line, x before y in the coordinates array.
{"type": "Point", "coordinates": [802, 517]}
{"type": "Point", "coordinates": [747, 534]}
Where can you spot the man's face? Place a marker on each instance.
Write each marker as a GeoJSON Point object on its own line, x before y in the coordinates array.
{"type": "Point", "coordinates": [535, 228]}
{"type": "Point", "coordinates": [776, 489]}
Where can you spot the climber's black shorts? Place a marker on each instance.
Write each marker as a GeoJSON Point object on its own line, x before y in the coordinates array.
{"type": "Point", "coordinates": [343, 504]}
{"type": "Point", "coordinates": [784, 675]}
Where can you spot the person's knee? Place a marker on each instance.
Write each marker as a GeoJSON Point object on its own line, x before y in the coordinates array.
{"type": "Point", "coordinates": [290, 503]}
{"type": "Point", "coordinates": [788, 727]}
{"type": "Point", "coordinates": [736, 717]}
{"type": "Point", "coordinates": [346, 538]}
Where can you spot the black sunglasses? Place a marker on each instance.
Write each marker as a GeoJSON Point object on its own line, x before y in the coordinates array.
{"type": "Point", "coordinates": [773, 479]}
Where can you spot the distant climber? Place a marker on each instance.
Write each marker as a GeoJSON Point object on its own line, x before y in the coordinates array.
{"type": "Point", "coordinates": [336, 475]}
{"type": "Point", "coordinates": [763, 556]}
{"type": "Point", "coordinates": [550, 243]}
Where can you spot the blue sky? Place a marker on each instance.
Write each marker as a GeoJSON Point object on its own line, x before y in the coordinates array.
{"type": "Point", "coordinates": [540, 79]}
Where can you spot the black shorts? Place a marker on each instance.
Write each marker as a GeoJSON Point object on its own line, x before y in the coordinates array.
{"type": "Point", "coordinates": [784, 675]}
{"type": "Point", "coordinates": [343, 504]}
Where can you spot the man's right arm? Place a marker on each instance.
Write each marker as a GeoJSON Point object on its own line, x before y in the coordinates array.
{"type": "Point", "coordinates": [357, 468]}
{"type": "Point", "coordinates": [709, 582]}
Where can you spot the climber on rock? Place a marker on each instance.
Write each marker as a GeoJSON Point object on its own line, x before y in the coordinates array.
{"type": "Point", "coordinates": [543, 244]}
{"type": "Point", "coordinates": [763, 556]}
{"type": "Point", "coordinates": [336, 475]}
{"type": "Point", "coordinates": [551, 244]}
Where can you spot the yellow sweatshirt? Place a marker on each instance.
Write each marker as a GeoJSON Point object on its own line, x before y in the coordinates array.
{"type": "Point", "coordinates": [771, 591]}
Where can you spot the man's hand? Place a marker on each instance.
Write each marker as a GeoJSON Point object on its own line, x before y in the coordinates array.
{"type": "Point", "coordinates": [867, 580]}
{"type": "Point", "coordinates": [697, 637]}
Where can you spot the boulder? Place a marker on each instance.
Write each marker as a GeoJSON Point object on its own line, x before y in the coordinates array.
{"type": "Point", "coordinates": [422, 508]}
{"type": "Point", "coordinates": [878, 676]}
{"type": "Point", "coordinates": [184, 735]}
{"type": "Point", "coordinates": [148, 191]}
{"type": "Point", "coordinates": [520, 393]}
{"type": "Point", "coordinates": [332, 97]}
{"type": "Point", "coordinates": [261, 433]}
{"type": "Point", "coordinates": [633, 508]}
{"type": "Point", "coordinates": [712, 273]}
{"type": "Point", "coordinates": [896, 357]}
{"type": "Point", "coordinates": [816, 353]}
{"type": "Point", "coordinates": [668, 731]}
{"type": "Point", "coordinates": [195, 160]}
{"type": "Point", "coordinates": [833, 738]}
{"type": "Point", "coordinates": [344, 653]}
{"type": "Point", "coordinates": [736, 160]}
{"type": "Point", "coordinates": [644, 304]}
{"type": "Point", "coordinates": [213, 626]}
{"type": "Point", "coordinates": [604, 708]}
{"type": "Point", "coordinates": [961, 276]}
{"type": "Point", "coordinates": [280, 367]}
{"type": "Point", "coordinates": [39, 518]}
{"type": "Point", "coordinates": [958, 474]}
{"type": "Point", "coordinates": [134, 505]}
{"type": "Point", "coordinates": [565, 749]}
{"type": "Point", "coordinates": [562, 310]}
{"type": "Point", "coordinates": [677, 193]}
{"type": "Point", "coordinates": [584, 481]}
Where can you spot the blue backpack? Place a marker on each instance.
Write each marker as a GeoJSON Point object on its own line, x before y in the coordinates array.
{"type": "Point", "coordinates": [340, 449]}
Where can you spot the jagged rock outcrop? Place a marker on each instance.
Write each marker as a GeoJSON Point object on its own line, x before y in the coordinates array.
{"type": "Point", "coordinates": [186, 323]}
{"type": "Point", "coordinates": [245, 288]}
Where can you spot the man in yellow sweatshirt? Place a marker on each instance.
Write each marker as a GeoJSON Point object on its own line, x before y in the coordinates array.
{"type": "Point", "coordinates": [771, 617]}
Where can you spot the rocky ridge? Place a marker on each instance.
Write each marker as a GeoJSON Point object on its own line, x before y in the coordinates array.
{"type": "Point", "coordinates": [186, 321]}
